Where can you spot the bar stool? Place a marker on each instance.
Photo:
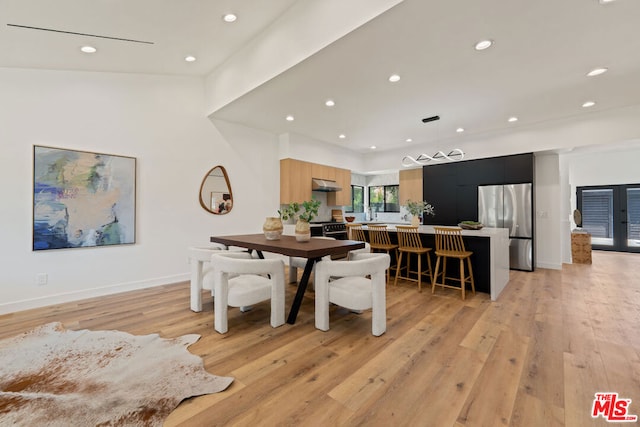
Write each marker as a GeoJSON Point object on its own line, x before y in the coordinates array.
{"type": "Point", "coordinates": [449, 244]}
{"type": "Point", "coordinates": [355, 232]}
{"type": "Point", "coordinates": [380, 241]}
{"type": "Point", "coordinates": [409, 242]}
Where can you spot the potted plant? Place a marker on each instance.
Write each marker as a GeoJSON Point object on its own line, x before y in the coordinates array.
{"type": "Point", "coordinates": [310, 211]}
{"type": "Point", "coordinates": [418, 209]}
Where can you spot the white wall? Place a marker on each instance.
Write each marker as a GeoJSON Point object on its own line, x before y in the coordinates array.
{"type": "Point", "coordinates": [548, 205]}
{"type": "Point", "coordinates": [160, 121]}
{"type": "Point", "coordinates": [300, 147]}
{"type": "Point", "coordinates": [612, 164]}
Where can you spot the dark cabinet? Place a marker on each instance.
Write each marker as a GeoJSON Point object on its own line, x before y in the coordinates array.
{"type": "Point", "coordinates": [452, 188]}
{"type": "Point", "coordinates": [518, 169]}
{"type": "Point", "coordinates": [481, 172]}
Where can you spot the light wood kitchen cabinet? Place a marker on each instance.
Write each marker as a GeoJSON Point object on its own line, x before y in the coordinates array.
{"type": "Point", "coordinates": [295, 181]}
{"type": "Point", "coordinates": [323, 172]}
{"type": "Point", "coordinates": [341, 198]}
{"type": "Point", "coordinates": [410, 185]}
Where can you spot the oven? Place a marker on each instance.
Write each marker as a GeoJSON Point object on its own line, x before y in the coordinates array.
{"type": "Point", "coordinates": [337, 230]}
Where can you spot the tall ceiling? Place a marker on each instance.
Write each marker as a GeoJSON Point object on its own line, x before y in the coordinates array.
{"type": "Point", "coordinates": [536, 69]}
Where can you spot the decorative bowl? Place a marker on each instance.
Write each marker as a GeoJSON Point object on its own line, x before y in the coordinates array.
{"type": "Point", "coordinates": [470, 225]}
{"type": "Point", "coordinates": [350, 218]}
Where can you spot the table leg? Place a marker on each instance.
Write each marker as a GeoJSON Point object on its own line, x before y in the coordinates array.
{"type": "Point", "coordinates": [302, 287]}
{"type": "Point", "coordinates": [196, 285]}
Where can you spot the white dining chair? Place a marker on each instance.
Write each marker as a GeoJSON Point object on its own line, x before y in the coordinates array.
{"type": "Point", "coordinates": [360, 285]}
{"type": "Point", "coordinates": [199, 259]}
{"type": "Point", "coordinates": [242, 281]}
{"type": "Point", "coordinates": [297, 262]}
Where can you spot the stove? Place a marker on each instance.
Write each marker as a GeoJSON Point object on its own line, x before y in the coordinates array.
{"type": "Point", "coordinates": [337, 230]}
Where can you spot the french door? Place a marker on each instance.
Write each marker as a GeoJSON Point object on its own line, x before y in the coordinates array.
{"type": "Point", "coordinates": [611, 214]}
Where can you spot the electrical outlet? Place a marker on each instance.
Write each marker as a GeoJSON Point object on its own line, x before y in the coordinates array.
{"type": "Point", "coordinates": [41, 279]}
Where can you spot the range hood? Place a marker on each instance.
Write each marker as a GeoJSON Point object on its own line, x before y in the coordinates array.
{"type": "Point", "coordinates": [324, 185]}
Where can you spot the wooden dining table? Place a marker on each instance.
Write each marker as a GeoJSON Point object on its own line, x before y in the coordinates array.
{"type": "Point", "coordinates": [313, 250]}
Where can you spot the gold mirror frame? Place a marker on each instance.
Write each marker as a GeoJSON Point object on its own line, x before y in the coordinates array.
{"type": "Point", "coordinates": [215, 191]}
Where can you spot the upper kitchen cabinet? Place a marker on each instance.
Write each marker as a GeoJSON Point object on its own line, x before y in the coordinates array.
{"type": "Point", "coordinates": [295, 181]}
{"type": "Point", "coordinates": [518, 169]}
{"type": "Point", "coordinates": [343, 197]}
{"type": "Point", "coordinates": [323, 172]}
{"type": "Point", "coordinates": [410, 184]}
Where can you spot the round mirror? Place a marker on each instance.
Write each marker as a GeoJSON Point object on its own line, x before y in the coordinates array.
{"type": "Point", "coordinates": [215, 192]}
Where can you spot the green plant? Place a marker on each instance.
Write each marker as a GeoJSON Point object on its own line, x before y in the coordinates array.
{"type": "Point", "coordinates": [419, 207]}
{"type": "Point", "coordinates": [289, 211]}
{"type": "Point", "coordinates": [310, 210]}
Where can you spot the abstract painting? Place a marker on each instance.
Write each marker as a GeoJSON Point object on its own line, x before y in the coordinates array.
{"type": "Point", "coordinates": [82, 199]}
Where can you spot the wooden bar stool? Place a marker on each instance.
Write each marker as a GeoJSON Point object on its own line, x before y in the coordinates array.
{"type": "Point", "coordinates": [355, 232]}
{"type": "Point", "coordinates": [449, 244]}
{"type": "Point", "coordinates": [409, 242]}
{"type": "Point", "coordinates": [380, 241]}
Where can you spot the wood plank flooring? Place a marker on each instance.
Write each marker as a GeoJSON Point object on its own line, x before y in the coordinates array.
{"type": "Point", "coordinates": [534, 358]}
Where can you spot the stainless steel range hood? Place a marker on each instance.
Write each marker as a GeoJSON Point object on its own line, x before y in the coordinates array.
{"type": "Point", "coordinates": [324, 185]}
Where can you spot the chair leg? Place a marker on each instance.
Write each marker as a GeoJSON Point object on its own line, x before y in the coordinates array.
{"type": "Point", "coordinates": [429, 264]}
{"type": "Point", "coordinates": [462, 277]}
{"type": "Point", "coordinates": [434, 278]}
{"type": "Point", "coordinates": [293, 274]}
{"type": "Point", "coordinates": [398, 269]}
{"type": "Point", "coordinates": [473, 286]}
{"type": "Point", "coordinates": [419, 273]}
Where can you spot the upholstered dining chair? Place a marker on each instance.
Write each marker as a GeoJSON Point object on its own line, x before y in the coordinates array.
{"type": "Point", "coordinates": [360, 285]}
{"type": "Point", "coordinates": [409, 243]}
{"type": "Point", "coordinates": [449, 244]}
{"type": "Point", "coordinates": [199, 258]}
{"type": "Point", "coordinates": [297, 262]}
{"type": "Point", "coordinates": [241, 281]}
{"type": "Point", "coordinates": [381, 242]}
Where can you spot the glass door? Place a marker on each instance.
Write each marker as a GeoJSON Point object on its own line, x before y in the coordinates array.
{"type": "Point", "coordinates": [611, 214]}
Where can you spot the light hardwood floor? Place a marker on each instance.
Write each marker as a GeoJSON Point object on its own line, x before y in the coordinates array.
{"type": "Point", "coordinates": [534, 358]}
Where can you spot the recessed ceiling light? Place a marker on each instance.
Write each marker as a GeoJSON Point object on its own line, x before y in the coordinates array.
{"type": "Point", "coordinates": [394, 78]}
{"type": "Point", "coordinates": [88, 49]}
{"type": "Point", "coordinates": [229, 17]}
{"type": "Point", "coordinates": [597, 71]}
{"type": "Point", "coordinates": [409, 140]}
{"type": "Point", "coordinates": [329, 103]}
{"type": "Point", "coordinates": [373, 147]}
{"type": "Point", "coordinates": [190, 58]}
{"type": "Point", "coordinates": [606, 1]}
{"type": "Point", "coordinates": [512, 119]}
{"type": "Point", "coordinates": [588, 104]}
{"type": "Point", "coordinates": [483, 44]}
{"type": "Point", "coordinates": [459, 130]}
{"type": "Point", "coordinates": [289, 118]}
{"type": "Point", "coordinates": [342, 136]}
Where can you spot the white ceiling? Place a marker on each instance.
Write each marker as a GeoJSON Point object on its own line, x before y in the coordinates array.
{"type": "Point", "coordinates": [536, 69]}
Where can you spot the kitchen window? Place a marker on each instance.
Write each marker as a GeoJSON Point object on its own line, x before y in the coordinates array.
{"type": "Point", "coordinates": [384, 198]}
{"type": "Point", "coordinates": [357, 199]}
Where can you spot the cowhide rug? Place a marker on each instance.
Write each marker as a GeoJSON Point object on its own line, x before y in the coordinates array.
{"type": "Point", "coordinates": [51, 376]}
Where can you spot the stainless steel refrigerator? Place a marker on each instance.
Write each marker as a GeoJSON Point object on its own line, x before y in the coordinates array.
{"type": "Point", "coordinates": [510, 206]}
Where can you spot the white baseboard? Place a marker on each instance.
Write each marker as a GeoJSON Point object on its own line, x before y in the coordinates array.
{"type": "Point", "coordinates": [12, 307]}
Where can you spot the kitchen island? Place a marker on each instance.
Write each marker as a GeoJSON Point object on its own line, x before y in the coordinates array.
{"type": "Point", "coordinates": [490, 259]}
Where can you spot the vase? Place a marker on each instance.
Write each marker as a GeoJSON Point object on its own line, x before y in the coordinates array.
{"type": "Point", "coordinates": [415, 220]}
{"type": "Point", "coordinates": [272, 228]}
{"type": "Point", "coordinates": [303, 231]}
